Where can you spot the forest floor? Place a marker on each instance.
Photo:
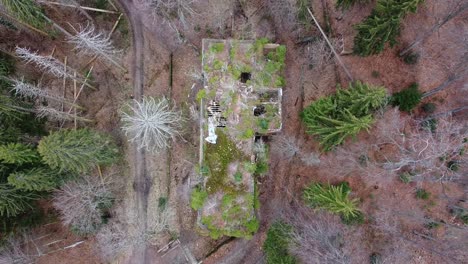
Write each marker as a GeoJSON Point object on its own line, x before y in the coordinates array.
{"type": "Point", "coordinates": [169, 174]}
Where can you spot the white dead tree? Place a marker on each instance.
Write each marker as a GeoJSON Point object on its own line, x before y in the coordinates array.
{"type": "Point", "coordinates": [45, 63]}
{"type": "Point", "coordinates": [81, 203]}
{"type": "Point", "coordinates": [151, 123]}
{"type": "Point", "coordinates": [56, 115]}
{"type": "Point", "coordinates": [24, 89]}
{"type": "Point", "coordinates": [89, 42]}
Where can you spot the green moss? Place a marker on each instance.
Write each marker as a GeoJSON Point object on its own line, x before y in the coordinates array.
{"type": "Point", "coordinates": [201, 95]}
{"type": "Point", "coordinates": [238, 176]}
{"type": "Point", "coordinates": [259, 44]}
{"type": "Point", "coordinates": [218, 157]}
{"type": "Point", "coordinates": [217, 48]}
{"type": "Point", "coordinates": [198, 198]}
{"type": "Point", "coordinates": [217, 65]}
{"type": "Point", "coordinates": [249, 133]}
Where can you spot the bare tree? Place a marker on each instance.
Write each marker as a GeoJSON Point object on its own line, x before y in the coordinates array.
{"type": "Point", "coordinates": [166, 9]}
{"type": "Point", "coordinates": [89, 42]}
{"type": "Point", "coordinates": [317, 237]}
{"type": "Point", "coordinates": [428, 150]}
{"type": "Point", "coordinates": [81, 203]}
{"type": "Point", "coordinates": [114, 238]}
{"type": "Point", "coordinates": [456, 10]}
{"type": "Point", "coordinates": [286, 146]}
{"type": "Point", "coordinates": [319, 53]}
{"type": "Point", "coordinates": [151, 123]}
{"type": "Point", "coordinates": [431, 150]}
{"type": "Point", "coordinates": [289, 149]}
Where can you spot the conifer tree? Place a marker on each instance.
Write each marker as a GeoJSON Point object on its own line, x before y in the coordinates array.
{"type": "Point", "coordinates": [382, 26]}
{"type": "Point", "coordinates": [26, 11]}
{"type": "Point", "coordinates": [17, 153]}
{"type": "Point", "coordinates": [338, 116]}
{"type": "Point", "coordinates": [13, 201]}
{"type": "Point", "coordinates": [36, 179]}
{"type": "Point", "coordinates": [77, 150]}
{"type": "Point", "coordinates": [333, 132]}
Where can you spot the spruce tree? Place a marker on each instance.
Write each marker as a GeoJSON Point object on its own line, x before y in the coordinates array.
{"type": "Point", "coordinates": [13, 201]}
{"type": "Point", "coordinates": [36, 179]}
{"type": "Point", "coordinates": [77, 150]}
{"type": "Point", "coordinates": [17, 153]}
{"type": "Point", "coordinates": [343, 114]}
{"type": "Point", "coordinates": [382, 26]}
{"type": "Point", "coordinates": [26, 11]}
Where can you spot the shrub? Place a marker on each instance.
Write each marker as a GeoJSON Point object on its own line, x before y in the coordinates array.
{"type": "Point", "coordinates": [77, 150]}
{"type": "Point", "coordinates": [198, 198]}
{"type": "Point", "coordinates": [405, 177]}
{"type": "Point", "coordinates": [422, 194]}
{"type": "Point", "coordinates": [453, 165]}
{"type": "Point", "coordinates": [408, 98]}
{"type": "Point", "coordinates": [375, 258]}
{"type": "Point", "coordinates": [261, 168]}
{"type": "Point", "coordinates": [277, 243]}
{"type": "Point", "coordinates": [334, 199]}
{"type": "Point", "coordinates": [375, 74]}
{"type": "Point", "coordinates": [428, 108]}
{"type": "Point", "coordinates": [430, 125]}
{"type": "Point", "coordinates": [461, 213]}
{"type": "Point", "coordinates": [411, 58]}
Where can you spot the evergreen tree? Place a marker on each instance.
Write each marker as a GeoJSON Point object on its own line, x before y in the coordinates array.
{"type": "Point", "coordinates": [345, 4]}
{"type": "Point", "coordinates": [338, 116]}
{"type": "Point", "coordinates": [26, 11]}
{"type": "Point", "coordinates": [17, 153]}
{"type": "Point", "coordinates": [13, 201]}
{"type": "Point", "coordinates": [77, 150]}
{"type": "Point", "coordinates": [334, 199]}
{"type": "Point", "coordinates": [36, 179]}
{"type": "Point", "coordinates": [382, 26]}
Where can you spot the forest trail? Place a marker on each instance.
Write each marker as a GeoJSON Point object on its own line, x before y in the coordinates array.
{"type": "Point", "coordinates": [142, 181]}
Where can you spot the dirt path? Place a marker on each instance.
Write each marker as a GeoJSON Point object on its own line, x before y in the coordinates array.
{"type": "Point", "coordinates": [142, 181]}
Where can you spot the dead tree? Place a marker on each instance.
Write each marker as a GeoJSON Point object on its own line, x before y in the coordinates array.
{"type": "Point", "coordinates": [168, 9]}
{"type": "Point", "coordinates": [114, 239]}
{"type": "Point", "coordinates": [47, 64]}
{"type": "Point", "coordinates": [89, 42]}
{"type": "Point", "coordinates": [317, 237]}
{"type": "Point", "coordinates": [81, 203]}
{"type": "Point", "coordinates": [458, 73]}
{"type": "Point", "coordinates": [452, 14]}
{"type": "Point", "coordinates": [13, 253]}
